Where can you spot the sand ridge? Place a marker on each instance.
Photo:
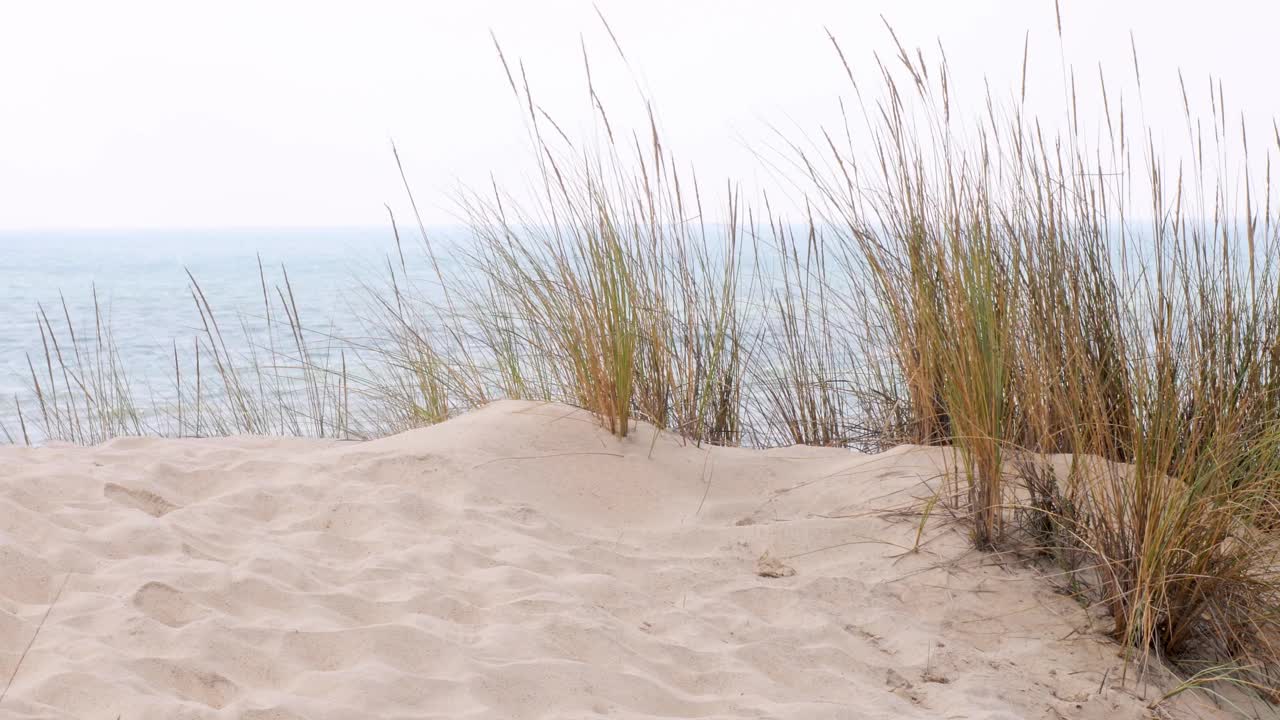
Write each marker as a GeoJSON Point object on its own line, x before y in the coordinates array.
{"type": "Point", "coordinates": [519, 562]}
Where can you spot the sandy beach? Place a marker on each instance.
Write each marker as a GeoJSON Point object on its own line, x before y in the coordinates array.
{"type": "Point", "coordinates": [520, 562]}
{"type": "Point", "coordinates": [510, 360]}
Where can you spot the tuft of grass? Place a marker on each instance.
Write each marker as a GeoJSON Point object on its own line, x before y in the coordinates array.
{"type": "Point", "coordinates": [82, 388]}
{"type": "Point", "coordinates": [1026, 313]}
{"type": "Point", "coordinates": [804, 356]}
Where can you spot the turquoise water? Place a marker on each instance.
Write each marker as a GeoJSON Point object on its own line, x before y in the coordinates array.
{"type": "Point", "coordinates": [145, 295]}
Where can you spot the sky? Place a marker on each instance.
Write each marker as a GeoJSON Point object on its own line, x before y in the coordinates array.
{"type": "Point", "coordinates": [252, 114]}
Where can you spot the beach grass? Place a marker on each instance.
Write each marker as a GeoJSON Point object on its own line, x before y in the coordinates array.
{"type": "Point", "coordinates": [1094, 330]}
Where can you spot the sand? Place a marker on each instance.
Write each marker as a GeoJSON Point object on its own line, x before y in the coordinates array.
{"type": "Point", "coordinates": [518, 562]}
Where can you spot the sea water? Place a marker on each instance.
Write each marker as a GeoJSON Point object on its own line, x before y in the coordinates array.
{"type": "Point", "coordinates": [144, 293]}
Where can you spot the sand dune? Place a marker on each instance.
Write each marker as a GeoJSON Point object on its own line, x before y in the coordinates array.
{"type": "Point", "coordinates": [519, 562]}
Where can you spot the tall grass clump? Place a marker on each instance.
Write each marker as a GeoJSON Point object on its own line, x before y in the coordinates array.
{"type": "Point", "coordinates": [802, 366]}
{"type": "Point", "coordinates": [609, 291]}
{"type": "Point", "coordinates": [80, 384]}
{"type": "Point", "coordinates": [1027, 307]}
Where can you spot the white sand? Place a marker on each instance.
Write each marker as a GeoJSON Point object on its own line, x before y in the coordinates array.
{"type": "Point", "coordinates": [519, 562]}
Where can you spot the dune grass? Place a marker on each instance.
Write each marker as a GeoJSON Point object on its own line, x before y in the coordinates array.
{"type": "Point", "coordinates": [1106, 367]}
{"type": "Point", "coordinates": [1028, 314]}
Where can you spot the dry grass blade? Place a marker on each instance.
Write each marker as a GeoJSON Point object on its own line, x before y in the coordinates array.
{"type": "Point", "coordinates": [57, 596]}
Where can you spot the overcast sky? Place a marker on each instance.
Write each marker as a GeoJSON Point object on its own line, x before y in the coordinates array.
{"type": "Point", "coordinates": [178, 114]}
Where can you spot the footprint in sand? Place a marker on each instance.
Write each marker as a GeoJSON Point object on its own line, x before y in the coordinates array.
{"type": "Point", "coordinates": [187, 682]}
{"type": "Point", "coordinates": [166, 604]}
{"type": "Point", "coordinates": [144, 500]}
{"type": "Point", "coordinates": [274, 713]}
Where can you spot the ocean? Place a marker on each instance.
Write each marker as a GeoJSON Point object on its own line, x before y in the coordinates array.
{"type": "Point", "coordinates": [144, 293]}
{"type": "Point", "coordinates": [144, 297]}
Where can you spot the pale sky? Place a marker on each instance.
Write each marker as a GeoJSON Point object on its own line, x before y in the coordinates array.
{"type": "Point", "coordinates": [181, 114]}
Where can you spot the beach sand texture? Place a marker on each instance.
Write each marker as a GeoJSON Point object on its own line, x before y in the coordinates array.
{"type": "Point", "coordinates": [520, 562]}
